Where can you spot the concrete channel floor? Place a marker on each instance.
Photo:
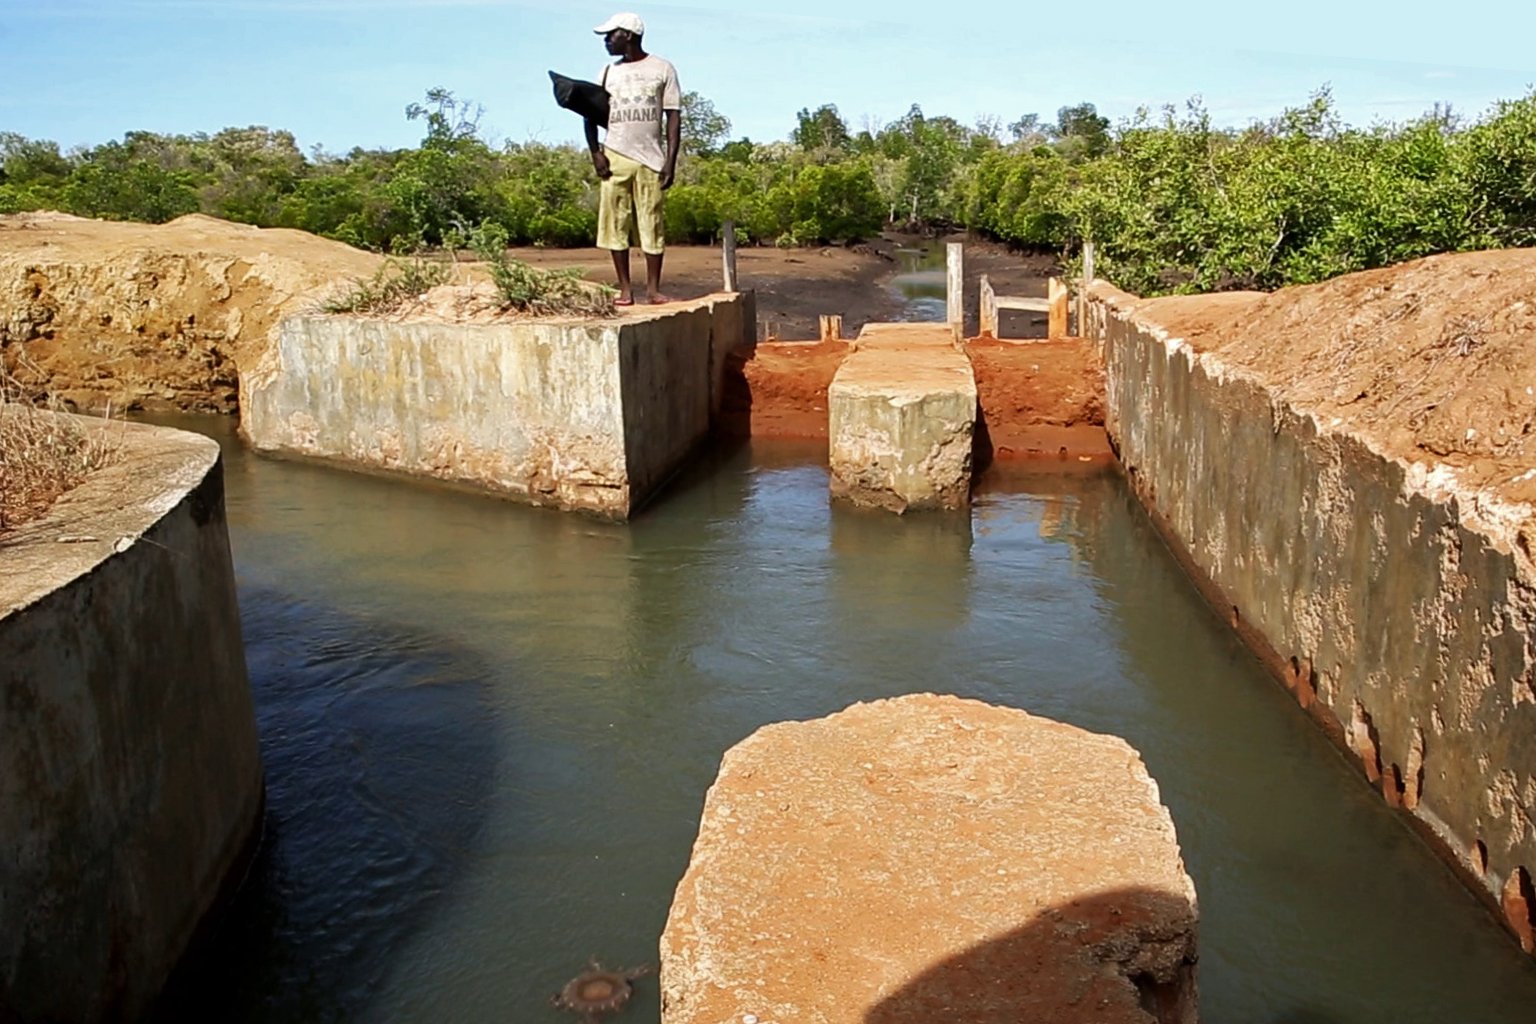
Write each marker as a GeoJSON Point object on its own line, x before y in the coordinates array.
{"type": "Point", "coordinates": [902, 412]}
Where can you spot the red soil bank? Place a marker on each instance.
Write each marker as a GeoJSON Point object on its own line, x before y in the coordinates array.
{"type": "Point", "coordinates": [1038, 399]}
{"type": "Point", "coordinates": [779, 388]}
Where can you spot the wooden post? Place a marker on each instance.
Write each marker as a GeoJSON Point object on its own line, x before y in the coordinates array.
{"type": "Point", "coordinates": [954, 293]}
{"type": "Point", "coordinates": [1056, 291]}
{"type": "Point", "coordinates": [728, 253]}
{"type": "Point", "coordinates": [1082, 292]}
{"type": "Point", "coordinates": [832, 328]}
{"type": "Point", "coordinates": [989, 326]}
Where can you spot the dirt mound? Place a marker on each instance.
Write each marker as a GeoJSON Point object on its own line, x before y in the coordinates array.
{"type": "Point", "coordinates": [1431, 361]}
{"type": "Point", "coordinates": [153, 316]}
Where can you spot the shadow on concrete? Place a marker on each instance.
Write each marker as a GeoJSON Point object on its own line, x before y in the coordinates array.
{"type": "Point", "coordinates": [983, 453]}
{"type": "Point", "coordinates": [380, 752]}
{"type": "Point", "coordinates": [1109, 957]}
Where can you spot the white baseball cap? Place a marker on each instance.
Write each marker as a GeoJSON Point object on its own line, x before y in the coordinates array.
{"type": "Point", "coordinates": [630, 23]}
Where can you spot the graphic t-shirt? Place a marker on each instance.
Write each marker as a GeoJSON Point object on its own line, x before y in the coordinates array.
{"type": "Point", "coordinates": [637, 94]}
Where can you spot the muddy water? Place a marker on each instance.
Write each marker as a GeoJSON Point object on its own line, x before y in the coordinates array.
{"type": "Point", "coordinates": [922, 282]}
{"type": "Point", "coordinates": [488, 731]}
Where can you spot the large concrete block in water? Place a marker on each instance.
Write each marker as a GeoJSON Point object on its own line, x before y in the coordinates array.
{"type": "Point", "coordinates": [130, 776]}
{"type": "Point", "coordinates": [589, 415]}
{"type": "Point", "coordinates": [901, 416]}
{"type": "Point", "coordinates": [930, 859]}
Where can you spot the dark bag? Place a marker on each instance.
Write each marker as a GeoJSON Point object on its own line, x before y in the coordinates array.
{"type": "Point", "coordinates": [588, 99]}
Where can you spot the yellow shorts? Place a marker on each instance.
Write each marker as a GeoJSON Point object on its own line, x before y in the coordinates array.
{"type": "Point", "coordinates": [629, 205]}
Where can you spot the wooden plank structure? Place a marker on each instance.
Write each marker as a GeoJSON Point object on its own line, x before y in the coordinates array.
{"type": "Point", "coordinates": [831, 328]}
{"type": "Point", "coordinates": [954, 284]}
{"type": "Point", "coordinates": [1056, 300]}
{"type": "Point", "coordinates": [728, 253]}
{"type": "Point", "coordinates": [1082, 291]}
{"type": "Point", "coordinates": [1054, 305]}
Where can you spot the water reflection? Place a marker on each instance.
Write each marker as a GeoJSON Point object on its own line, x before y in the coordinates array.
{"type": "Point", "coordinates": [489, 730]}
{"type": "Point", "coordinates": [369, 828]}
{"type": "Point", "coordinates": [892, 570]}
{"type": "Point", "coordinates": [923, 282]}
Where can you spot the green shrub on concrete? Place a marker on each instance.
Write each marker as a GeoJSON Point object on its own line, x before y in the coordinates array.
{"type": "Point", "coordinates": [530, 290]}
{"type": "Point", "coordinates": [395, 283]}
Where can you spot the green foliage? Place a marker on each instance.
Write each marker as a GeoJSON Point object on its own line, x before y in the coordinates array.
{"type": "Point", "coordinates": [530, 290]}
{"type": "Point", "coordinates": [1177, 205]}
{"type": "Point", "coordinates": [392, 285]}
{"type": "Point", "coordinates": [114, 183]}
{"type": "Point", "coordinates": [933, 149]}
{"type": "Point", "coordinates": [821, 131]}
{"type": "Point", "coordinates": [28, 161]}
{"type": "Point", "coordinates": [1080, 132]}
{"type": "Point", "coordinates": [1019, 197]}
{"type": "Point", "coordinates": [1496, 160]}
{"type": "Point", "coordinates": [451, 124]}
{"type": "Point", "coordinates": [705, 129]}
{"type": "Point", "coordinates": [545, 195]}
{"type": "Point", "coordinates": [246, 173]}
{"type": "Point", "coordinates": [826, 203]}
{"type": "Point", "coordinates": [1172, 202]}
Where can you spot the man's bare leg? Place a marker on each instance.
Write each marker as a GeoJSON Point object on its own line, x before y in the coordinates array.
{"type": "Point", "coordinates": [621, 270]}
{"type": "Point", "coordinates": [653, 278]}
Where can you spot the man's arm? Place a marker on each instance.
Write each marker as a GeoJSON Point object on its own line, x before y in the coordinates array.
{"type": "Point", "coordinates": [672, 110]}
{"type": "Point", "coordinates": [674, 143]}
{"type": "Point", "coordinates": [599, 158]}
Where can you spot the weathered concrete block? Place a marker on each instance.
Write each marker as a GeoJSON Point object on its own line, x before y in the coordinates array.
{"type": "Point", "coordinates": [130, 777]}
{"type": "Point", "coordinates": [582, 415]}
{"type": "Point", "coordinates": [931, 859]}
{"type": "Point", "coordinates": [902, 414]}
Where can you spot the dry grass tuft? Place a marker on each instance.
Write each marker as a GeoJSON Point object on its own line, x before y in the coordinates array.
{"type": "Point", "coordinates": [392, 286]}
{"type": "Point", "coordinates": [42, 455]}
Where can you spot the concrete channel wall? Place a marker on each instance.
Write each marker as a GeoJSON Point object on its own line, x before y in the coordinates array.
{"type": "Point", "coordinates": [586, 415]}
{"type": "Point", "coordinates": [1399, 608]}
{"type": "Point", "coordinates": [130, 778]}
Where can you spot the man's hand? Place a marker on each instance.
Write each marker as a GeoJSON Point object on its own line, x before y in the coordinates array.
{"type": "Point", "coordinates": [667, 174]}
{"type": "Point", "coordinates": [600, 164]}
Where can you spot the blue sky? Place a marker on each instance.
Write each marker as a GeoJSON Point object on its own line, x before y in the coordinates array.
{"type": "Point", "coordinates": [339, 73]}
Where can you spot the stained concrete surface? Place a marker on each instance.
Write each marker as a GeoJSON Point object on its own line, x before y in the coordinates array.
{"type": "Point", "coordinates": [1391, 601]}
{"type": "Point", "coordinates": [583, 415]}
{"type": "Point", "coordinates": [901, 419]}
{"type": "Point", "coordinates": [130, 779]}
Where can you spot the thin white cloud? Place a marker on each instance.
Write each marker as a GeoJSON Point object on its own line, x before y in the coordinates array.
{"type": "Point", "coordinates": [99, 8]}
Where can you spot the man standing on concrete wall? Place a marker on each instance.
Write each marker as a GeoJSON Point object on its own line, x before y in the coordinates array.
{"type": "Point", "coordinates": [635, 167]}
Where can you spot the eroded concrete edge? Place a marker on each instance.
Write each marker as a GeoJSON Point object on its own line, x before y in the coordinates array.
{"type": "Point", "coordinates": [1396, 604]}
{"type": "Point", "coordinates": [130, 776]}
{"type": "Point", "coordinates": [589, 416]}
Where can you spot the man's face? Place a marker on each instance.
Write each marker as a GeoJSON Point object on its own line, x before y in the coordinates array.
{"type": "Point", "coordinates": [616, 41]}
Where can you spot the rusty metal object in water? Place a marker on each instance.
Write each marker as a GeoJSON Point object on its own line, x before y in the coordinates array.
{"type": "Point", "coordinates": [597, 990]}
